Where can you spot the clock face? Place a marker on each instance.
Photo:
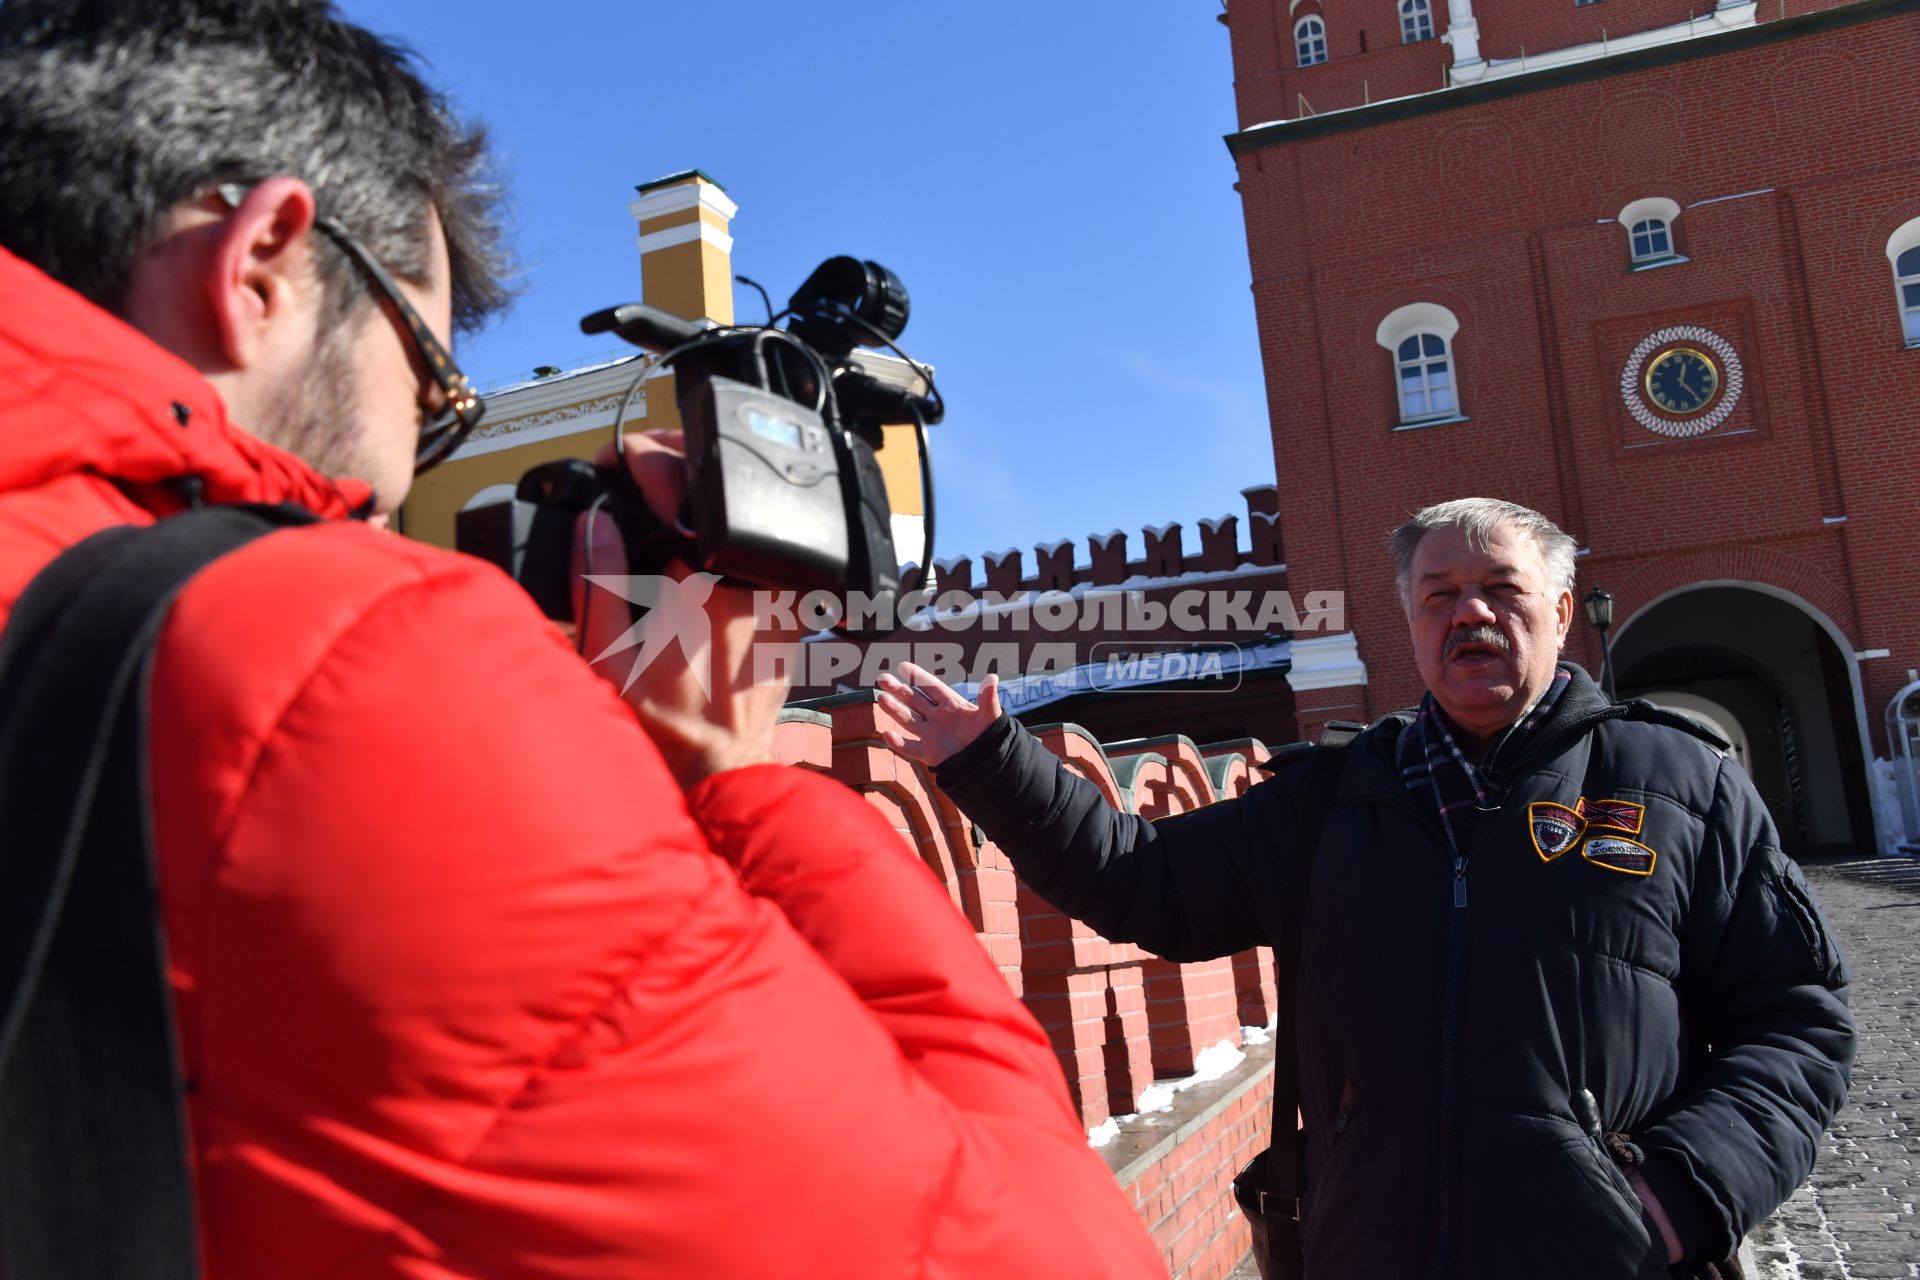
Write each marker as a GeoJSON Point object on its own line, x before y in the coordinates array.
{"type": "Point", "coordinates": [1682, 382]}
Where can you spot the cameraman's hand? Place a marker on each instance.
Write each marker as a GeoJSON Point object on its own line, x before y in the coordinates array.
{"type": "Point", "coordinates": [699, 731]}
{"type": "Point", "coordinates": [930, 721]}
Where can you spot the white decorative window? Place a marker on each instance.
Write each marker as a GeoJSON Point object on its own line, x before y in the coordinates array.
{"type": "Point", "coordinates": [1426, 383]}
{"type": "Point", "coordinates": [1310, 41]}
{"type": "Point", "coordinates": [1649, 225]}
{"type": "Point", "coordinates": [1903, 251]}
{"type": "Point", "coordinates": [1416, 21]}
{"type": "Point", "coordinates": [1652, 238]}
{"type": "Point", "coordinates": [1423, 370]}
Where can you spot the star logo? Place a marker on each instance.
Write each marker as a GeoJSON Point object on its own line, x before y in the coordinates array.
{"type": "Point", "coordinates": [676, 612]}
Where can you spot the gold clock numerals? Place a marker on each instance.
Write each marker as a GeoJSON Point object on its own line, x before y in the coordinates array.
{"type": "Point", "coordinates": [1681, 382]}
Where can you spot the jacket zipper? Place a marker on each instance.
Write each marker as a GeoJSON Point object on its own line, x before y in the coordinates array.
{"type": "Point", "coordinates": [1447, 1147]}
{"type": "Point", "coordinates": [1456, 928]}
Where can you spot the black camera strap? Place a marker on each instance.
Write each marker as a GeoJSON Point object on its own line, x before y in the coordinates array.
{"type": "Point", "coordinates": [94, 1172]}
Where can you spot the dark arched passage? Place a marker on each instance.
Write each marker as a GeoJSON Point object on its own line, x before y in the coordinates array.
{"type": "Point", "coordinates": [1741, 652]}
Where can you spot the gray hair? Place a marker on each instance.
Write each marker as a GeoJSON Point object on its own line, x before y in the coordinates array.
{"type": "Point", "coordinates": [112, 112]}
{"type": "Point", "coordinates": [1480, 519]}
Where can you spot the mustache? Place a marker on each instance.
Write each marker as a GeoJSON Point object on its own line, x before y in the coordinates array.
{"type": "Point", "coordinates": [1488, 636]}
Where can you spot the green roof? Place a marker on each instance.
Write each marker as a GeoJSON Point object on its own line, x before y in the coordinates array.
{"type": "Point", "coordinates": [681, 176]}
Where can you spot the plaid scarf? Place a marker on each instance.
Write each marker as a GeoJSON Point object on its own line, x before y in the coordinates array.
{"type": "Point", "coordinates": [1431, 760]}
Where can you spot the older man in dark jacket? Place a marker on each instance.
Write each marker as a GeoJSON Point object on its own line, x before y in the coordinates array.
{"type": "Point", "coordinates": [1565, 1008]}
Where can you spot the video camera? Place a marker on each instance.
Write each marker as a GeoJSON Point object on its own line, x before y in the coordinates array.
{"type": "Point", "coordinates": [782, 427]}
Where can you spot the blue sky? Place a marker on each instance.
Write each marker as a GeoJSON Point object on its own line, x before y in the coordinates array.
{"type": "Point", "coordinates": [1054, 194]}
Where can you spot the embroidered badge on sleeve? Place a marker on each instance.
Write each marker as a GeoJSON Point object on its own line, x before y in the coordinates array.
{"type": "Point", "coordinates": [1555, 828]}
{"type": "Point", "coordinates": [1617, 853]}
{"type": "Point", "coordinates": [1615, 815]}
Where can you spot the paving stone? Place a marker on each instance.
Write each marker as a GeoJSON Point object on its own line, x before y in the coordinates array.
{"type": "Point", "coordinates": [1855, 1219]}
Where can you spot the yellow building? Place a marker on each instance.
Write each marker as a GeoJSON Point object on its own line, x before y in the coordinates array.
{"type": "Point", "coordinates": [686, 267]}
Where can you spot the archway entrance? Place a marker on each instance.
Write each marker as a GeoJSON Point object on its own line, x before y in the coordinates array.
{"type": "Point", "coordinates": [1765, 673]}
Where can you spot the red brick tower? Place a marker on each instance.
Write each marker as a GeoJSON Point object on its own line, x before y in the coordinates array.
{"type": "Point", "coordinates": [1650, 267]}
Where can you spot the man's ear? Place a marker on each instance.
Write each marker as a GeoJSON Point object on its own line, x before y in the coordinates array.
{"type": "Point", "coordinates": [262, 273]}
{"type": "Point", "coordinates": [1563, 609]}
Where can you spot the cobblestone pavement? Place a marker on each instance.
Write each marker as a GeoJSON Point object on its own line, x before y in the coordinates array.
{"type": "Point", "coordinates": [1855, 1219]}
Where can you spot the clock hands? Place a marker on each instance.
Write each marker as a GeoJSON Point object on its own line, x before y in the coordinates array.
{"type": "Point", "coordinates": [1687, 367]}
{"type": "Point", "coordinates": [1673, 387]}
{"type": "Point", "coordinates": [1679, 383]}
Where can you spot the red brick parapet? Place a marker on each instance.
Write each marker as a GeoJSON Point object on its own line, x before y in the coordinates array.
{"type": "Point", "coordinates": [1117, 1016]}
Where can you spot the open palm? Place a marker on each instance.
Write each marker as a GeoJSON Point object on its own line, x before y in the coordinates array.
{"type": "Point", "coordinates": [930, 722]}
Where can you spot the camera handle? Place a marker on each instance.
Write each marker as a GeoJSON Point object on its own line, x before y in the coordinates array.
{"type": "Point", "coordinates": [574, 486]}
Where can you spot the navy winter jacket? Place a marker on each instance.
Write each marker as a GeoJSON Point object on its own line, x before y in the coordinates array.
{"type": "Point", "coordinates": [1659, 952]}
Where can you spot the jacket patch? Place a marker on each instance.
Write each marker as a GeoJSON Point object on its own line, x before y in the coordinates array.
{"type": "Point", "coordinates": [1616, 853]}
{"type": "Point", "coordinates": [1555, 828]}
{"type": "Point", "coordinates": [1616, 815]}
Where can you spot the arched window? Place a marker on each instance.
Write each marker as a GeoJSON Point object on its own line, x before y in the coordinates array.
{"type": "Point", "coordinates": [1903, 250]}
{"type": "Point", "coordinates": [1652, 238]}
{"type": "Point", "coordinates": [1425, 382]}
{"type": "Point", "coordinates": [1416, 21]}
{"type": "Point", "coordinates": [1649, 225]}
{"type": "Point", "coordinates": [1423, 370]}
{"type": "Point", "coordinates": [1310, 41]}
{"type": "Point", "coordinates": [1906, 278]}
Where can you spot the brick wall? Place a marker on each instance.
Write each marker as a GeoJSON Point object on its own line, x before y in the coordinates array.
{"type": "Point", "coordinates": [1117, 1017]}
{"type": "Point", "coordinates": [1793, 159]}
{"type": "Point", "coordinates": [1180, 1181]}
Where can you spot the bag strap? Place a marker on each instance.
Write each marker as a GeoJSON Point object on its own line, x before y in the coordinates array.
{"type": "Point", "coordinates": [94, 1173]}
{"type": "Point", "coordinates": [1286, 1150]}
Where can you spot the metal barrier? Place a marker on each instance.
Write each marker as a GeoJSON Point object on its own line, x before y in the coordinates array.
{"type": "Point", "coordinates": [1903, 742]}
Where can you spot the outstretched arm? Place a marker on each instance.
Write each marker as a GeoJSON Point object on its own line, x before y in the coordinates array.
{"type": "Point", "coordinates": [1192, 887]}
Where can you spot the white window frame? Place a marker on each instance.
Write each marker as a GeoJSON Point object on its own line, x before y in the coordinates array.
{"type": "Point", "coordinates": [1416, 21]}
{"type": "Point", "coordinates": [1651, 239]}
{"type": "Point", "coordinates": [1414, 320]}
{"type": "Point", "coordinates": [1640, 214]}
{"type": "Point", "coordinates": [1905, 240]}
{"type": "Point", "coordinates": [1310, 41]}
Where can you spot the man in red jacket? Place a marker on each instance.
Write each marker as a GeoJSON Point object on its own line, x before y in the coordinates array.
{"type": "Point", "coordinates": [472, 975]}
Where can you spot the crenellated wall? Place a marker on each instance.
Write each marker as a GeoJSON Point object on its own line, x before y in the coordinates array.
{"type": "Point", "coordinates": [1118, 1017]}
{"type": "Point", "coordinates": [1197, 618]}
{"type": "Point", "coordinates": [1164, 553]}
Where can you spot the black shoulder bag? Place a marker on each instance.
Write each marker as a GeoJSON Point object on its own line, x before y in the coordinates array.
{"type": "Point", "coordinates": [94, 1174]}
{"type": "Point", "coordinates": [1268, 1189]}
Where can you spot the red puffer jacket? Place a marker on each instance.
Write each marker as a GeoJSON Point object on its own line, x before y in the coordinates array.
{"type": "Point", "coordinates": [465, 985]}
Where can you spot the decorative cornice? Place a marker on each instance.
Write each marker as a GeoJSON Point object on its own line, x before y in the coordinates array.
{"type": "Point", "coordinates": [1281, 132]}
{"type": "Point", "coordinates": [696, 193]}
{"type": "Point", "coordinates": [512, 426]}
{"type": "Point", "coordinates": [1326, 662]}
